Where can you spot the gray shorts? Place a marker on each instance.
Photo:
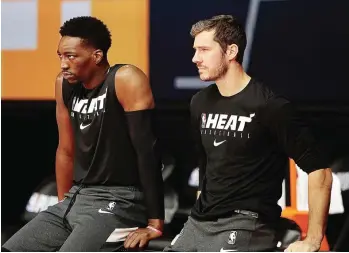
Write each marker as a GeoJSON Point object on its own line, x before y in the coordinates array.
{"type": "Point", "coordinates": [84, 221]}
{"type": "Point", "coordinates": [239, 232]}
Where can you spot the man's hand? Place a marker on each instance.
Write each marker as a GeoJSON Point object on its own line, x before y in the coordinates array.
{"type": "Point", "coordinates": [303, 246]}
{"type": "Point", "coordinates": [140, 238]}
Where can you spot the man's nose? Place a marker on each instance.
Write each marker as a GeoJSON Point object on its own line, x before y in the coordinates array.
{"type": "Point", "coordinates": [196, 58]}
{"type": "Point", "coordinates": [64, 65]}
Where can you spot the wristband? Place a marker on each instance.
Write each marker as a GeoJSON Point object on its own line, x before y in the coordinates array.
{"type": "Point", "coordinates": [155, 230]}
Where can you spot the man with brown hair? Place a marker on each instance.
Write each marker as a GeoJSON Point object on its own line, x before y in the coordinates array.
{"type": "Point", "coordinates": [245, 134]}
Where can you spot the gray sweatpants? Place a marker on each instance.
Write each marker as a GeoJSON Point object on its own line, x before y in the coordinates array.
{"type": "Point", "coordinates": [239, 232]}
{"type": "Point", "coordinates": [95, 214]}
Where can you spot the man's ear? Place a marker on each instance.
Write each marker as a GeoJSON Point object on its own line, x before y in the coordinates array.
{"type": "Point", "coordinates": [98, 56]}
{"type": "Point", "coordinates": [232, 51]}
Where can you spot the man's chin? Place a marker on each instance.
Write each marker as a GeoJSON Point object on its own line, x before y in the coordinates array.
{"type": "Point", "coordinates": [72, 81]}
{"type": "Point", "coordinates": [205, 78]}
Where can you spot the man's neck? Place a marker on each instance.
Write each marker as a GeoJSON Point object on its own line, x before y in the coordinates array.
{"type": "Point", "coordinates": [98, 77]}
{"type": "Point", "coordinates": [234, 81]}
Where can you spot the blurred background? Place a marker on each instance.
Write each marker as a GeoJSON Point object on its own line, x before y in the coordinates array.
{"type": "Point", "coordinates": [298, 47]}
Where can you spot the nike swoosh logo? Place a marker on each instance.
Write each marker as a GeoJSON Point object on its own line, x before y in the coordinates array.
{"type": "Point", "coordinates": [101, 211]}
{"type": "Point", "coordinates": [82, 126]}
{"type": "Point", "coordinates": [228, 250]}
{"type": "Point", "coordinates": [216, 144]}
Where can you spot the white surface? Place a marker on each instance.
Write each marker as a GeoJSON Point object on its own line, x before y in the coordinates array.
{"type": "Point", "coordinates": [19, 22]}
{"type": "Point", "coordinates": [71, 9]}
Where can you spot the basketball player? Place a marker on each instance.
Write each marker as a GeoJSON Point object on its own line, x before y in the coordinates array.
{"type": "Point", "coordinates": [108, 172]}
{"type": "Point", "coordinates": [245, 134]}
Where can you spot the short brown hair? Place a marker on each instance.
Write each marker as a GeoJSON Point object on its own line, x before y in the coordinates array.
{"type": "Point", "coordinates": [227, 31]}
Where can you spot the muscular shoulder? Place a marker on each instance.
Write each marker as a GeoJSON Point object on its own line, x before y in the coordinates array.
{"type": "Point", "coordinates": [133, 89]}
{"type": "Point", "coordinates": [131, 76]}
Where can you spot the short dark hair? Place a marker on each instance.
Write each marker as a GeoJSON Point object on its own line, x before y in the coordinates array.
{"type": "Point", "coordinates": [90, 29]}
{"type": "Point", "coordinates": [228, 31]}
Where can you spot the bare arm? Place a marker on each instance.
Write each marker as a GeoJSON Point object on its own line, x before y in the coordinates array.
{"type": "Point", "coordinates": [64, 153]}
{"type": "Point", "coordinates": [319, 194]}
{"type": "Point", "coordinates": [135, 95]}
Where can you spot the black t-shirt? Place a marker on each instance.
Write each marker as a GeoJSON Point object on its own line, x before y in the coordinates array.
{"type": "Point", "coordinates": [244, 144]}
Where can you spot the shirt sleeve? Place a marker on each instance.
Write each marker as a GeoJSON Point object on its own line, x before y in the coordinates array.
{"type": "Point", "coordinates": [199, 148]}
{"type": "Point", "coordinates": [146, 146]}
{"type": "Point", "coordinates": [293, 135]}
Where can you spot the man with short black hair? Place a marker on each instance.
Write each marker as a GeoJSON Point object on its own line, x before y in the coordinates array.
{"type": "Point", "coordinates": [108, 171]}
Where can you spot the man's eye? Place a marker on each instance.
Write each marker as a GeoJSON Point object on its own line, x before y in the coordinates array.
{"type": "Point", "coordinates": [71, 57]}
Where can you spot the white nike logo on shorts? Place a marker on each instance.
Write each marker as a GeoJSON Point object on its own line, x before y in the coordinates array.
{"type": "Point", "coordinates": [101, 211]}
{"type": "Point", "coordinates": [228, 250]}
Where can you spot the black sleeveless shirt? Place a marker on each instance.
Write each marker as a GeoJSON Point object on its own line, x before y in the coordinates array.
{"type": "Point", "coordinates": [103, 150]}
